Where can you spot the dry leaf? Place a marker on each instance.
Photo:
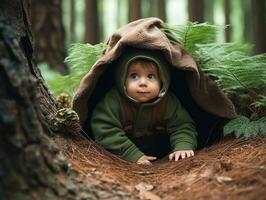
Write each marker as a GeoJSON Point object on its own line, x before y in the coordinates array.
{"type": "Point", "coordinates": [221, 179]}
{"type": "Point", "coordinates": [147, 195]}
{"type": "Point", "coordinates": [144, 187]}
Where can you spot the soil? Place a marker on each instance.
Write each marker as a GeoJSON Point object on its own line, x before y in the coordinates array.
{"type": "Point", "coordinates": [230, 169]}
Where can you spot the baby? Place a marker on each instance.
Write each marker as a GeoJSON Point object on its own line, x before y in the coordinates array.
{"type": "Point", "coordinates": [140, 119]}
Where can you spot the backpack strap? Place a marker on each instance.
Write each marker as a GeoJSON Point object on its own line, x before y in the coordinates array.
{"type": "Point", "coordinates": [128, 114]}
{"type": "Point", "coordinates": [160, 109]}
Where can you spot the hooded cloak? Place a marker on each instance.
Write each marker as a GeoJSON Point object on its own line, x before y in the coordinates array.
{"type": "Point", "coordinates": [209, 107]}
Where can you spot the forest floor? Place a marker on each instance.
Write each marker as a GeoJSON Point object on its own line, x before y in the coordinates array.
{"type": "Point", "coordinates": [230, 169]}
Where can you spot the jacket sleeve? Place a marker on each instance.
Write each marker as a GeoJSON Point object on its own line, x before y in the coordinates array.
{"type": "Point", "coordinates": [106, 125]}
{"type": "Point", "coordinates": [180, 126]}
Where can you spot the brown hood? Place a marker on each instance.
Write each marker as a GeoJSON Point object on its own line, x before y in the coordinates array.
{"type": "Point", "coordinates": [146, 34]}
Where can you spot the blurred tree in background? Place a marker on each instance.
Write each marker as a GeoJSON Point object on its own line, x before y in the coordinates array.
{"type": "Point", "coordinates": [49, 33]}
{"type": "Point", "coordinates": [92, 34]}
{"type": "Point", "coordinates": [134, 10]}
{"type": "Point", "coordinates": [259, 26]}
{"type": "Point", "coordinates": [227, 8]}
{"type": "Point", "coordinates": [196, 10]}
{"type": "Point", "coordinates": [161, 9]}
{"type": "Point", "coordinates": [94, 20]}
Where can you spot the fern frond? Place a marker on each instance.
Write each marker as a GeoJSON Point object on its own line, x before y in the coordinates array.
{"type": "Point", "coordinates": [81, 58]}
{"type": "Point", "coordinates": [261, 102]}
{"type": "Point", "coordinates": [190, 34]}
{"type": "Point", "coordinates": [244, 127]}
{"type": "Point", "coordinates": [234, 70]}
{"type": "Point", "coordinates": [235, 124]}
{"type": "Point", "coordinates": [230, 63]}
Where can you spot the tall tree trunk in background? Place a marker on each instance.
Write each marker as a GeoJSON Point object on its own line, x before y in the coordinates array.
{"type": "Point", "coordinates": [134, 10]}
{"type": "Point", "coordinates": [72, 21]}
{"type": "Point", "coordinates": [209, 12]}
{"type": "Point", "coordinates": [48, 33]}
{"type": "Point", "coordinates": [227, 9]}
{"type": "Point", "coordinates": [92, 33]}
{"type": "Point", "coordinates": [148, 8]}
{"type": "Point", "coordinates": [161, 10]}
{"type": "Point", "coordinates": [196, 10]}
{"type": "Point", "coordinates": [247, 10]}
{"type": "Point", "coordinates": [259, 26]}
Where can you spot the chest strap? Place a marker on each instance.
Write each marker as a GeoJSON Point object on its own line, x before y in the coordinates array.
{"type": "Point", "coordinates": [159, 111]}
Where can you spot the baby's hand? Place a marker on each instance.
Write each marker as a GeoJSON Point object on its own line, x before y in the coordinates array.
{"type": "Point", "coordinates": [182, 154]}
{"type": "Point", "coordinates": [145, 160]}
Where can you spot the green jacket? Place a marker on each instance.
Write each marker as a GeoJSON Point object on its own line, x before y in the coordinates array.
{"type": "Point", "coordinates": [108, 118]}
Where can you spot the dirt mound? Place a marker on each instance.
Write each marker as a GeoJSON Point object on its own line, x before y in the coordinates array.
{"type": "Point", "coordinates": [231, 169]}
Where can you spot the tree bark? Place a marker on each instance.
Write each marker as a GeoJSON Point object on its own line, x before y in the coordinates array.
{"type": "Point", "coordinates": [161, 10]}
{"type": "Point", "coordinates": [134, 10]}
{"type": "Point", "coordinates": [247, 10]}
{"type": "Point", "coordinates": [209, 10]}
{"type": "Point", "coordinates": [227, 9]}
{"type": "Point", "coordinates": [196, 10]}
{"type": "Point", "coordinates": [92, 34]}
{"type": "Point", "coordinates": [31, 165]}
{"type": "Point", "coordinates": [259, 26]}
{"type": "Point", "coordinates": [48, 33]}
{"type": "Point", "coordinates": [72, 21]}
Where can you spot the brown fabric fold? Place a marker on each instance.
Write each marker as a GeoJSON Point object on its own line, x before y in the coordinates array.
{"type": "Point", "coordinates": [146, 34]}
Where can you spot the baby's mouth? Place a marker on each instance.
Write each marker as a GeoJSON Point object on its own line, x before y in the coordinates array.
{"type": "Point", "coordinates": [143, 92]}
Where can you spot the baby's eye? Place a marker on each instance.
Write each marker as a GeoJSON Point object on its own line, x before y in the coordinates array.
{"type": "Point", "coordinates": [151, 76]}
{"type": "Point", "coordinates": [134, 75]}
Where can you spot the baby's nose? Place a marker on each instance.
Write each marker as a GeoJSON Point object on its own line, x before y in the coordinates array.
{"type": "Point", "coordinates": [142, 81]}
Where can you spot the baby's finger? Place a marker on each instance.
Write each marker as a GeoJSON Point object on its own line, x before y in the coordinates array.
{"type": "Point", "coordinates": [177, 155]}
{"type": "Point", "coordinates": [171, 156]}
{"type": "Point", "coordinates": [191, 153]}
{"type": "Point", "coordinates": [147, 162]}
{"type": "Point", "coordinates": [188, 154]}
{"type": "Point", "coordinates": [151, 158]}
{"type": "Point", "coordinates": [183, 155]}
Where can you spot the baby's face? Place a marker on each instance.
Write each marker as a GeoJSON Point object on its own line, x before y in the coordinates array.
{"type": "Point", "coordinates": [142, 82]}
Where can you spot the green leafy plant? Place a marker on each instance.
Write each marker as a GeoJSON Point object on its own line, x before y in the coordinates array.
{"type": "Point", "coordinates": [261, 102]}
{"type": "Point", "coordinates": [231, 66]}
{"type": "Point", "coordinates": [244, 127]}
{"type": "Point", "coordinates": [81, 58]}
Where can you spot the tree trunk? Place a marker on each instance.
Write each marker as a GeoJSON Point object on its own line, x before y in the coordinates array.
{"type": "Point", "coordinates": [48, 33]}
{"type": "Point", "coordinates": [31, 166]}
{"type": "Point", "coordinates": [247, 10]}
{"type": "Point", "coordinates": [196, 10]}
{"type": "Point", "coordinates": [134, 10]}
{"type": "Point", "coordinates": [161, 10]}
{"type": "Point", "coordinates": [92, 34]}
{"type": "Point", "coordinates": [259, 26]}
{"type": "Point", "coordinates": [209, 11]}
{"type": "Point", "coordinates": [72, 21]}
{"type": "Point", "coordinates": [227, 9]}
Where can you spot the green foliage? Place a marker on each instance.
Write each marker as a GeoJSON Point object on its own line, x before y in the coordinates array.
{"type": "Point", "coordinates": [229, 64]}
{"type": "Point", "coordinates": [233, 68]}
{"type": "Point", "coordinates": [244, 127]}
{"type": "Point", "coordinates": [191, 34]}
{"type": "Point", "coordinates": [261, 102]}
{"type": "Point", "coordinates": [81, 58]}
